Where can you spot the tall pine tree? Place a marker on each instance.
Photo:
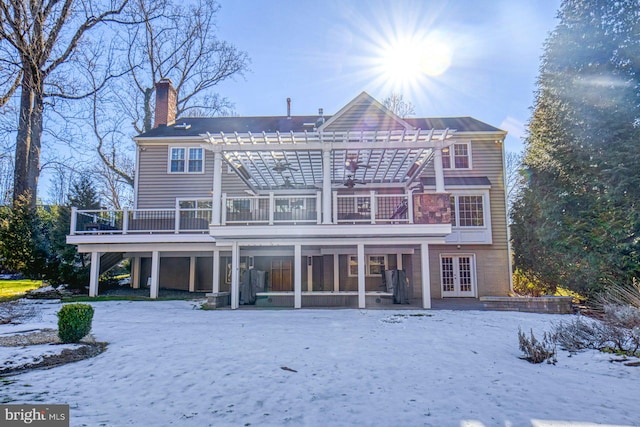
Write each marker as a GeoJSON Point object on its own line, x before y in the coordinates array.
{"type": "Point", "coordinates": [577, 224]}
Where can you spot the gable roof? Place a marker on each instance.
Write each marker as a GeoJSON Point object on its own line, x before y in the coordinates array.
{"type": "Point", "coordinates": [364, 113]}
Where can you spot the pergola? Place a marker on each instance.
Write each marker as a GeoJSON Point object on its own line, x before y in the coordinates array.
{"type": "Point", "coordinates": [269, 162]}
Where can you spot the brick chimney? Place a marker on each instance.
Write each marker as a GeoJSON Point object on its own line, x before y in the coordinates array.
{"type": "Point", "coordinates": [166, 103]}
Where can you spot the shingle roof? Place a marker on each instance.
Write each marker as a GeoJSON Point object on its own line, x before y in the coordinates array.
{"type": "Point", "coordinates": [202, 125]}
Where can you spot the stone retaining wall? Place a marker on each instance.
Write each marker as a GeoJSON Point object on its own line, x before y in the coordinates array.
{"type": "Point", "coordinates": [549, 304]}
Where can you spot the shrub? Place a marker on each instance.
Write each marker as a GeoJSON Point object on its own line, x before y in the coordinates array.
{"type": "Point", "coordinates": [537, 351]}
{"type": "Point", "coordinates": [527, 285]}
{"type": "Point", "coordinates": [74, 322]}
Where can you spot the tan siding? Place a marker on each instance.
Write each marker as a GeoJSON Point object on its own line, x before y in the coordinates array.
{"type": "Point", "coordinates": [363, 116]}
{"type": "Point", "coordinates": [486, 161]}
{"type": "Point", "coordinates": [158, 189]}
{"type": "Point", "coordinates": [492, 269]}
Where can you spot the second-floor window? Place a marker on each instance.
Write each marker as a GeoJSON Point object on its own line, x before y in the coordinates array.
{"type": "Point", "coordinates": [186, 160]}
{"type": "Point", "coordinates": [467, 211]}
{"type": "Point", "coordinates": [457, 156]}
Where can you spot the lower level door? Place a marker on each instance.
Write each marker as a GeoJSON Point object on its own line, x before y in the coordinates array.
{"type": "Point", "coordinates": [457, 276]}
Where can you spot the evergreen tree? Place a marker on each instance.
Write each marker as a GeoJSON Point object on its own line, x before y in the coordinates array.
{"type": "Point", "coordinates": [71, 266]}
{"type": "Point", "coordinates": [576, 223]}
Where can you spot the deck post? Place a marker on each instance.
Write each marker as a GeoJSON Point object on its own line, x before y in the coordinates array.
{"type": "Point", "coordinates": [216, 202]}
{"type": "Point", "coordinates": [73, 220]}
{"type": "Point", "coordinates": [216, 272]}
{"type": "Point", "coordinates": [95, 274]}
{"type": "Point", "coordinates": [437, 163]}
{"type": "Point", "coordinates": [361, 277]}
{"type": "Point", "coordinates": [426, 278]}
{"type": "Point", "coordinates": [155, 275]}
{"type": "Point", "coordinates": [336, 273]}
{"type": "Point", "coordinates": [192, 274]}
{"type": "Point", "coordinates": [125, 220]}
{"type": "Point", "coordinates": [135, 272]}
{"type": "Point", "coordinates": [326, 186]}
{"type": "Point", "coordinates": [297, 276]}
{"type": "Point", "coordinates": [235, 275]}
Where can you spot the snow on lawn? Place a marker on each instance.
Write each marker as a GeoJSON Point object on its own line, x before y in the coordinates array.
{"type": "Point", "coordinates": [169, 363]}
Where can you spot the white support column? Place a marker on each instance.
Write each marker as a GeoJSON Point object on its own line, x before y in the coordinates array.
{"type": "Point", "coordinates": [216, 203]}
{"type": "Point", "coordinates": [297, 276]}
{"type": "Point", "coordinates": [192, 274]}
{"type": "Point", "coordinates": [309, 274]}
{"type": "Point", "coordinates": [326, 187]}
{"type": "Point", "coordinates": [176, 219]}
{"type": "Point", "coordinates": [73, 220]}
{"type": "Point", "coordinates": [272, 207]}
{"type": "Point", "coordinates": [235, 275]}
{"type": "Point", "coordinates": [437, 162]}
{"type": "Point", "coordinates": [95, 274]}
{"type": "Point", "coordinates": [399, 261]}
{"type": "Point", "coordinates": [135, 272]}
{"type": "Point", "coordinates": [373, 206]}
{"type": "Point", "coordinates": [361, 277]}
{"type": "Point", "coordinates": [125, 220]}
{"type": "Point", "coordinates": [216, 272]}
{"type": "Point", "coordinates": [336, 273]}
{"type": "Point", "coordinates": [437, 166]}
{"type": "Point", "coordinates": [426, 278]}
{"type": "Point", "coordinates": [155, 275]}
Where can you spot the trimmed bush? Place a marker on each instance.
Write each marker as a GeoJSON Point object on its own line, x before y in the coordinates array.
{"type": "Point", "coordinates": [74, 322]}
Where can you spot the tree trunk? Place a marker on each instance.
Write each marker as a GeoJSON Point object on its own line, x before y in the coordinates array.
{"type": "Point", "coordinates": [28, 140]}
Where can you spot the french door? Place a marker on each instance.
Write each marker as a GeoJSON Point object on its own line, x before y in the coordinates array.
{"type": "Point", "coordinates": [457, 275]}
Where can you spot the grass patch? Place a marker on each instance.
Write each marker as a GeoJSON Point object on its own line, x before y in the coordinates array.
{"type": "Point", "coordinates": [14, 289]}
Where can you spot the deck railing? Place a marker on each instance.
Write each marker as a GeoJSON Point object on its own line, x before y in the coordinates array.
{"type": "Point", "coordinates": [372, 208]}
{"type": "Point", "coordinates": [271, 209]}
{"type": "Point", "coordinates": [182, 220]}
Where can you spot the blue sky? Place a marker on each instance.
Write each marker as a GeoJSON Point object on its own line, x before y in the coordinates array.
{"type": "Point", "coordinates": [459, 58]}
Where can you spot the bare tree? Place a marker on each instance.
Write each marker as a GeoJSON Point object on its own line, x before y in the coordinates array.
{"type": "Point", "coordinates": [177, 42]}
{"type": "Point", "coordinates": [398, 105]}
{"type": "Point", "coordinates": [39, 41]}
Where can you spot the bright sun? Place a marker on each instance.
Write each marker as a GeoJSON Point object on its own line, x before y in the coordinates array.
{"type": "Point", "coordinates": [406, 62]}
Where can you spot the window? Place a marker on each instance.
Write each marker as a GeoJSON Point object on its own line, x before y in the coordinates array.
{"type": "Point", "coordinates": [186, 160]}
{"type": "Point", "coordinates": [457, 156]}
{"type": "Point", "coordinates": [467, 211]}
{"type": "Point", "coordinates": [374, 265]}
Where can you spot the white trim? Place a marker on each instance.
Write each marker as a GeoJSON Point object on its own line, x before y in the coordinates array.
{"type": "Point", "coordinates": [336, 272]}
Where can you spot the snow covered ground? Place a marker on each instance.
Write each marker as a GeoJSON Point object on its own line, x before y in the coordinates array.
{"type": "Point", "coordinates": [169, 363]}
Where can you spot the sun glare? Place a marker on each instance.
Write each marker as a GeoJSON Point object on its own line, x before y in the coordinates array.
{"type": "Point", "coordinates": [406, 62]}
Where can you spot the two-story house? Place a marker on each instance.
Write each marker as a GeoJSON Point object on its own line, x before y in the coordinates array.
{"type": "Point", "coordinates": [355, 209]}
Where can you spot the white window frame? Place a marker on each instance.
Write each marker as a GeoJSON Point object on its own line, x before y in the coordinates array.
{"type": "Point", "coordinates": [471, 234]}
{"type": "Point", "coordinates": [187, 160]}
{"type": "Point", "coordinates": [456, 215]}
{"type": "Point", "coordinates": [368, 265]}
{"type": "Point", "coordinates": [451, 156]}
{"type": "Point", "coordinates": [197, 201]}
